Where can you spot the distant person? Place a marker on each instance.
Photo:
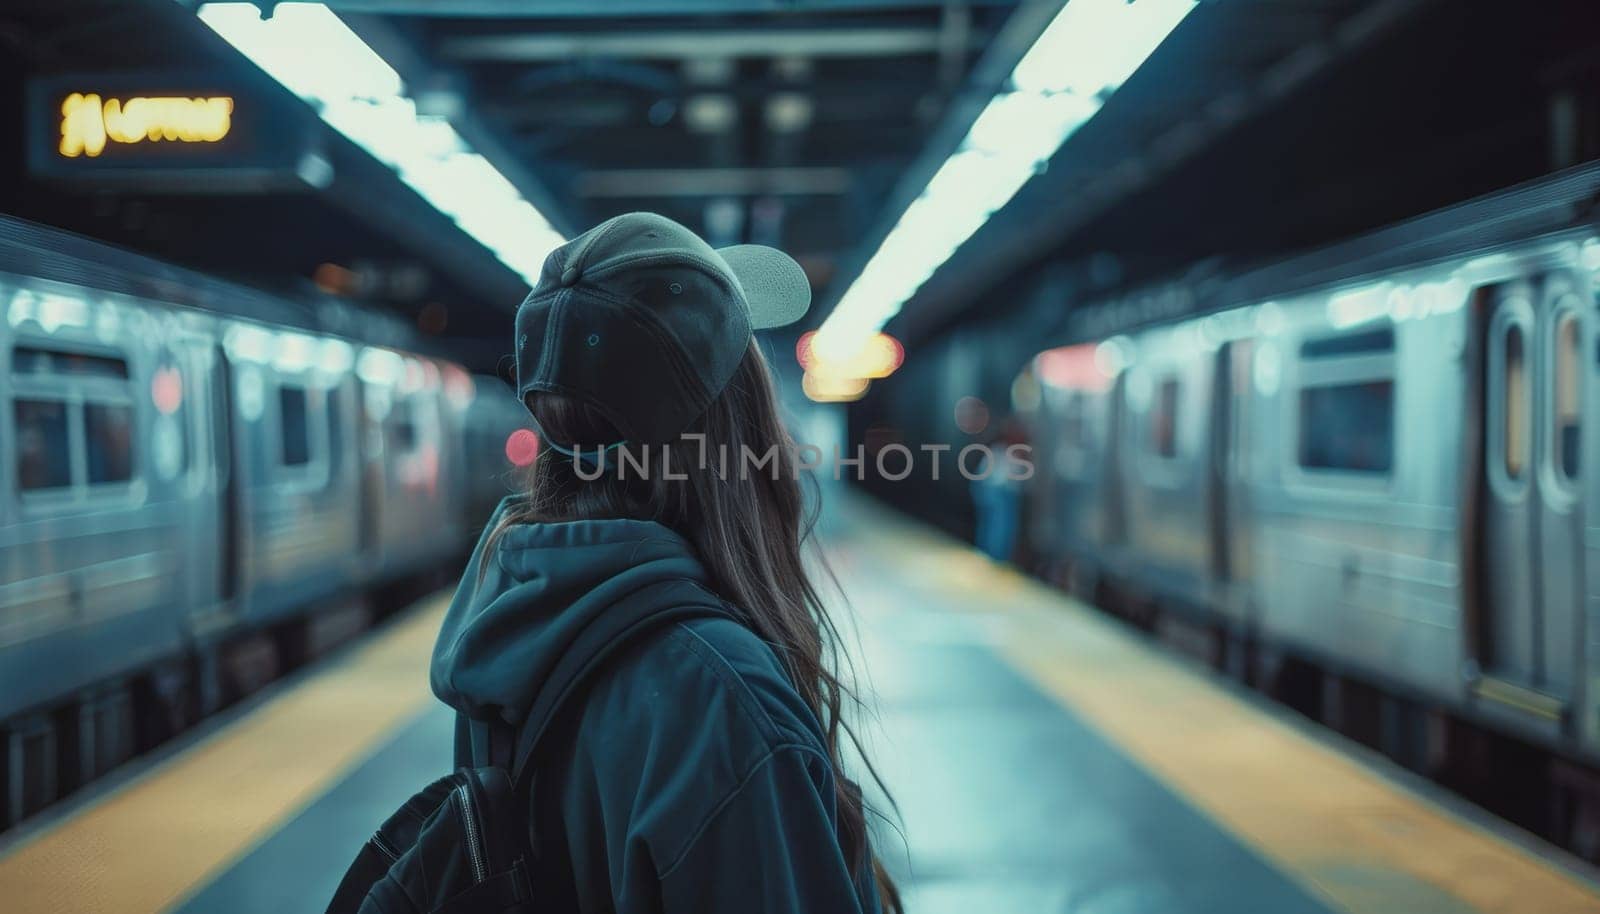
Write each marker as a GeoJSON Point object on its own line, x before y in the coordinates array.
{"type": "Point", "coordinates": [698, 771]}
{"type": "Point", "coordinates": [997, 496]}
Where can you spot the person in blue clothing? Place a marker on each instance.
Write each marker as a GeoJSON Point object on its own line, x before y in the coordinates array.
{"type": "Point", "coordinates": [700, 770]}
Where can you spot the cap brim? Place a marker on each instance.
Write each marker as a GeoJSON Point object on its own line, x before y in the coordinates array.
{"type": "Point", "coordinates": [775, 287]}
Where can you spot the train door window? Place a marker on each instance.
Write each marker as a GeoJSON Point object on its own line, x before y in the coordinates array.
{"type": "Point", "coordinates": [403, 427]}
{"type": "Point", "coordinates": [1072, 421]}
{"type": "Point", "coordinates": [1567, 378]}
{"type": "Point", "coordinates": [44, 449]}
{"type": "Point", "coordinates": [74, 419]}
{"type": "Point", "coordinates": [1164, 418]}
{"type": "Point", "coordinates": [294, 426]}
{"type": "Point", "coordinates": [29, 361]}
{"type": "Point", "coordinates": [1238, 434]}
{"type": "Point", "coordinates": [333, 402]}
{"type": "Point", "coordinates": [108, 442]}
{"type": "Point", "coordinates": [1348, 427]}
{"type": "Point", "coordinates": [1517, 418]}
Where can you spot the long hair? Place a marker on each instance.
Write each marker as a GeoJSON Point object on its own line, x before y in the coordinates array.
{"type": "Point", "coordinates": [748, 520]}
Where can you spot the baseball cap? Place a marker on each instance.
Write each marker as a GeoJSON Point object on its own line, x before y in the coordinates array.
{"type": "Point", "coordinates": [645, 322]}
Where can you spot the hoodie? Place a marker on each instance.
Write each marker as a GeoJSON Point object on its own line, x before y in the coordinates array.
{"type": "Point", "coordinates": [687, 774]}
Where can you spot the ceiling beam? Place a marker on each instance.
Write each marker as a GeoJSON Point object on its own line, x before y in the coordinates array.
{"type": "Point", "coordinates": [589, 9]}
{"type": "Point", "coordinates": [686, 44]}
{"type": "Point", "coordinates": [647, 183]}
{"type": "Point", "coordinates": [401, 54]}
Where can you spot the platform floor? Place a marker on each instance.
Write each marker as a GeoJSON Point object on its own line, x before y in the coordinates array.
{"type": "Point", "coordinates": [1043, 759]}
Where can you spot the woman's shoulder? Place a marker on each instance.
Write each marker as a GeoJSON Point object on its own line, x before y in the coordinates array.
{"type": "Point", "coordinates": [702, 682]}
{"type": "Point", "coordinates": [680, 723]}
{"type": "Point", "coordinates": [749, 666]}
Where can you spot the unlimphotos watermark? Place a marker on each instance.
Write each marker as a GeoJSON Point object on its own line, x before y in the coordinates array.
{"type": "Point", "coordinates": [893, 462]}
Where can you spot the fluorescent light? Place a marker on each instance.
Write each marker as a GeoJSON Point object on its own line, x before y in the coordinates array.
{"type": "Point", "coordinates": [1093, 46]}
{"type": "Point", "coordinates": [308, 49]}
{"type": "Point", "coordinates": [1029, 125]}
{"type": "Point", "coordinates": [976, 182]}
{"type": "Point", "coordinates": [1087, 52]}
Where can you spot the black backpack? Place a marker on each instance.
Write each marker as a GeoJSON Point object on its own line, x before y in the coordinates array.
{"type": "Point", "coordinates": [463, 844]}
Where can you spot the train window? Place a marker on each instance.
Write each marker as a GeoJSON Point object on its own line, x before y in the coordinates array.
{"type": "Point", "coordinates": [402, 428]}
{"type": "Point", "coordinates": [108, 442]}
{"type": "Point", "coordinates": [1164, 419]}
{"type": "Point", "coordinates": [331, 403]}
{"type": "Point", "coordinates": [294, 426]}
{"type": "Point", "coordinates": [44, 455]}
{"type": "Point", "coordinates": [1072, 423]}
{"type": "Point", "coordinates": [1378, 339]}
{"type": "Point", "coordinates": [1348, 427]}
{"type": "Point", "coordinates": [30, 361]}
{"type": "Point", "coordinates": [1517, 425]}
{"type": "Point", "coordinates": [1565, 415]}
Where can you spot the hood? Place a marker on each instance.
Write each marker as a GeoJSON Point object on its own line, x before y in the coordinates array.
{"type": "Point", "coordinates": [546, 592]}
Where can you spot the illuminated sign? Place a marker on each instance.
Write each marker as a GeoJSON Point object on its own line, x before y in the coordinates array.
{"type": "Point", "coordinates": [184, 132]}
{"type": "Point", "coordinates": [88, 123]}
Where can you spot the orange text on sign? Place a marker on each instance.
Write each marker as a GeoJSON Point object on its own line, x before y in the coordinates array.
{"type": "Point", "coordinates": [88, 122]}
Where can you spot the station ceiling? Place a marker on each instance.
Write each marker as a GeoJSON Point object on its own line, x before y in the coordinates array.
{"type": "Point", "coordinates": [804, 123]}
{"type": "Point", "coordinates": [779, 122]}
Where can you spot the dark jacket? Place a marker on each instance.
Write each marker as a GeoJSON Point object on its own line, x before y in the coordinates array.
{"type": "Point", "coordinates": [689, 776]}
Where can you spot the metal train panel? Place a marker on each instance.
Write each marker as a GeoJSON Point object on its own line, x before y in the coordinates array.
{"type": "Point", "coordinates": [416, 523]}
{"type": "Point", "coordinates": [297, 495]}
{"type": "Point", "coordinates": [93, 557]}
{"type": "Point", "coordinates": [1387, 466]}
{"type": "Point", "coordinates": [1352, 484]}
{"type": "Point", "coordinates": [1161, 461]}
{"type": "Point", "coordinates": [1069, 430]}
{"type": "Point", "coordinates": [494, 462]}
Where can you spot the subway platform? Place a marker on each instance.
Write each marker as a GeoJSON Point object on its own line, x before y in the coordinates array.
{"type": "Point", "coordinates": [1043, 759]}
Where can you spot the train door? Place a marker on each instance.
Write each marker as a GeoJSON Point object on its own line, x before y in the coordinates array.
{"type": "Point", "coordinates": [369, 457]}
{"type": "Point", "coordinates": [1530, 536]}
{"type": "Point", "coordinates": [1116, 450]}
{"type": "Point", "coordinates": [226, 467]}
{"type": "Point", "coordinates": [1226, 486]}
{"type": "Point", "coordinates": [181, 446]}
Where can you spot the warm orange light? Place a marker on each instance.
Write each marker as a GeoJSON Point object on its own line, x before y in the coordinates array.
{"type": "Point", "coordinates": [88, 122]}
{"type": "Point", "coordinates": [877, 358]}
{"type": "Point", "coordinates": [1072, 368]}
{"type": "Point", "coordinates": [335, 280]}
{"type": "Point", "coordinates": [826, 389]}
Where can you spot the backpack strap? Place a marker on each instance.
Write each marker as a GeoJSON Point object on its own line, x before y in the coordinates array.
{"type": "Point", "coordinates": [687, 599]}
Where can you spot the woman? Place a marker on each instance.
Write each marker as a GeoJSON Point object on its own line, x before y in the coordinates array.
{"type": "Point", "coordinates": [699, 768]}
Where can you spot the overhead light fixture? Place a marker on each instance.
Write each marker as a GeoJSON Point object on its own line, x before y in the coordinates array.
{"type": "Point", "coordinates": [878, 359]}
{"type": "Point", "coordinates": [1087, 52]}
{"type": "Point", "coordinates": [822, 389]}
{"type": "Point", "coordinates": [308, 49]}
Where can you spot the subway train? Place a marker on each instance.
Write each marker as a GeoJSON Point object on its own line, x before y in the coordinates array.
{"type": "Point", "coordinates": [1359, 479]}
{"type": "Point", "coordinates": [202, 484]}
{"type": "Point", "coordinates": [1376, 457]}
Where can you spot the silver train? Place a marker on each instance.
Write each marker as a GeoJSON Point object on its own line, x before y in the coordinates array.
{"type": "Point", "coordinates": [1382, 457]}
{"type": "Point", "coordinates": [201, 484]}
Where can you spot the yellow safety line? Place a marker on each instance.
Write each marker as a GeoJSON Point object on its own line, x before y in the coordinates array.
{"type": "Point", "coordinates": [1357, 840]}
{"type": "Point", "coordinates": [153, 842]}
